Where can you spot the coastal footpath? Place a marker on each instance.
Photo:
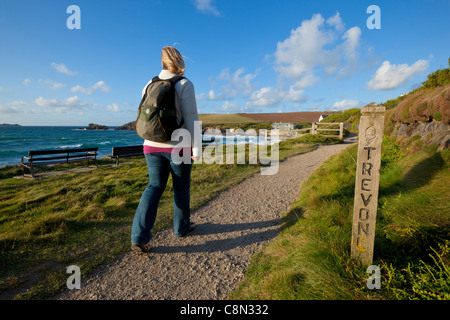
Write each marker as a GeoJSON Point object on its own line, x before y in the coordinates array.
{"type": "Point", "coordinates": [211, 261]}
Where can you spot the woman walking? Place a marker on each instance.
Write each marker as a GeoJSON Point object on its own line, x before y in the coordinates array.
{"type": "Point", "coordinates": [160, 164]}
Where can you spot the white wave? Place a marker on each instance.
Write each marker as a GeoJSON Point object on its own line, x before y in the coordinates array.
{"type": "Point", "coordinates": [72, 146]}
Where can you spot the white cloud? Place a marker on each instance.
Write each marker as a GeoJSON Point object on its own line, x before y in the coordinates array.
{"type": "Point", "coordinates": [232, 85]}
{"type": "Point", "coordinates": [346, 104]}
{"type": "Point", "coordinates": [351, 37]}
{"type": "Point", "coordinates": [5, 110]}
{"type": "Point", "coordinates": [266, 97]}
{"type": "Point", "coordinates": [214, 96]}
{"type": "Point", "coordinates": [391, 76]}
{"type": "Point", "coordinates": [299, 53]}
{"type": "Point", "coordinates": [52, 84]}
{"type": "Point", "coordinates": [26, 82]}
{"type": "Point", "coordinates": [56, 86]}
{"type": "Point", "coordinates": [310, 46]}
{"type": "Point", "coordinates": [66, 105]}
{"type": "Point", "coordinates": [235, 107]}
{"type": "Point", "coordinates": [316, 44]}
{"type": "Point", "coordinates": [61, 68]}
{"type": "Point", "coordinates": [18, 104]}
{"type": "Point", "coordinates": [97, 86]}
{"type": "Point", "coordinates": [113, 108]}
{"type": "Point", "coordinates": [81, 89]}
{"type": "Point", "coordinates": [237, 83]}
{"type": "Point", "coordinates": [231, 107]}
{"type": "Point", "coordinates": [270, 96]}
{"type": "Point", "coordinates": [336, 22]}
{"type": "Point", "coordinates": [205, 6]}
{"type": "Point", "coordinates": [350, 50]}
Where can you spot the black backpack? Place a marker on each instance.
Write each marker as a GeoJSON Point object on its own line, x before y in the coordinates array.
{"type": "Point", "coordinates": [157, 115]}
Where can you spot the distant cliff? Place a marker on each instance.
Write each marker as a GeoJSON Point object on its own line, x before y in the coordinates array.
{"type": "Point", "coordinates": [93, 126]}
{"type": "Point", "coordinates": [127, 126]}
{"type": "Point", "coordinates": [9, 125]}
{"type": "Point", "coordinates": [424, 112]}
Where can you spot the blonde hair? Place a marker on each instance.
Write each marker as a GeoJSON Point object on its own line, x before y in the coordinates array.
{"type": "Point", "coordinates": [172, 60]}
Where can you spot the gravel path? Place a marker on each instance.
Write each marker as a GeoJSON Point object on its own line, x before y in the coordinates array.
{"type": "Point", "coordinates": [211, 261]}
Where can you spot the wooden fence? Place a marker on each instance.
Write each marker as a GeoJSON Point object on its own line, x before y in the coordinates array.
{"type": "Point", "coordinates": [315, 129]}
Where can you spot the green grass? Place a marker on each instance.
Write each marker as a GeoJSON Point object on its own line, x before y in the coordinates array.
{"type": "Point", "coordinates": [85, 218]}
{"type": "Point", "coordinates": [319, 139]}
{"type": "Point", "coordinates": [351, 116]}
{"type": "Point", "coordinates": [310, 258]}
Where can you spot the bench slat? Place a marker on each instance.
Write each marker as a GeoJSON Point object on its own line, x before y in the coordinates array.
{"type": "Point", "coordinates": [34, 159]}
{"type": "Point", "coordinates": [44, 152]}
{"type": "Point", "coordinates": [46, 163]}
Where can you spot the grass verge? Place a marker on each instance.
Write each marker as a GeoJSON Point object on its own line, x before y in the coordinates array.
{"type": "Point", "coordinates": [310, 258]}
{"type": "Point", "coordinates": [85, 218]}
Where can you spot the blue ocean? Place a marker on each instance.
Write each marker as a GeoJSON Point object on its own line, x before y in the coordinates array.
{"type": "Point", "coordinates": [15, 142]}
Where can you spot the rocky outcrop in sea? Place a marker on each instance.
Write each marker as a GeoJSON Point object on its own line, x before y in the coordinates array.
{"type": "Point", "coordinates": [128, 126]}
{"type": "Point", "coordinates": [93, 126]}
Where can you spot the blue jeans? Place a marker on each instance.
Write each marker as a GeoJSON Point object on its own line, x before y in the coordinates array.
{"type": "Point", "coordinates": [159, 166]}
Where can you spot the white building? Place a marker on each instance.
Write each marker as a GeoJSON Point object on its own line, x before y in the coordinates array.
{"type": "Point", "coordinates": [283, 126]}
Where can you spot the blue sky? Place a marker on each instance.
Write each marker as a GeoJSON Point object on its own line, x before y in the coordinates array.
{"type": "Point", "coordinates": [241, 55]}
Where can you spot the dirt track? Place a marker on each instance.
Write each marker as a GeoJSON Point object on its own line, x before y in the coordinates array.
{"type": "Point", "coordinates": [211, 261]}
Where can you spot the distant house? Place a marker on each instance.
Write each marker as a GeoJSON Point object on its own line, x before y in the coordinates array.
{"type": "Point", "coordinates": [322, 116]}
{"type": "Point", "coordinates": [283, 126]}
{"type": "Point", "coordinates": [292, 117]}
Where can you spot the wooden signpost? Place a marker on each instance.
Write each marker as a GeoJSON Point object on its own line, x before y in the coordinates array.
{"type": "Point", "coordinates": [371, 129]}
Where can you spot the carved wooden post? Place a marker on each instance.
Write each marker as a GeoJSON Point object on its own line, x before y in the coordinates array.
{"type": "Point", "coordinates": [367, 181]}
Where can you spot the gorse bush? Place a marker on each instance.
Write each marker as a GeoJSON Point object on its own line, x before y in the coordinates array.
{"type": "Point", "coordinates": [391, 152]}
{"type": "Point", "coordinates": [351, 116]}
{"type": "Point", "coordinates": [422, 281]}
{"type": "Point", "coordinates": [438, 78]}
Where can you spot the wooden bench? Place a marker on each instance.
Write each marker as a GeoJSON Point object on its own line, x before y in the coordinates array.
{"type": "Point", "coordinates": [128, 151]}
{"type": "Point", "coordinates": [53, 157]}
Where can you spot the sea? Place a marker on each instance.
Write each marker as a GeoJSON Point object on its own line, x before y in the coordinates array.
{"type": "Point", "coordinates": [16, 141]}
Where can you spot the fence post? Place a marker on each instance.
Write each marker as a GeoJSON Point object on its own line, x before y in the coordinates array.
{"type": "Point", "coordinates": [371, 129]}
{"type": "Point", "coordinates": [341, 130]}
{"type": "Point", "coordinates": [314, 127]}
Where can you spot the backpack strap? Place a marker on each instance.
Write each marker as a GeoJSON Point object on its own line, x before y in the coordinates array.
{"type": "Point", "coordinates": [173, 81]}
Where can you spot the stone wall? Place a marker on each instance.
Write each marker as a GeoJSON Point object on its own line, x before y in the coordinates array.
{"type": "Point", "coordinates": [435, 132]}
